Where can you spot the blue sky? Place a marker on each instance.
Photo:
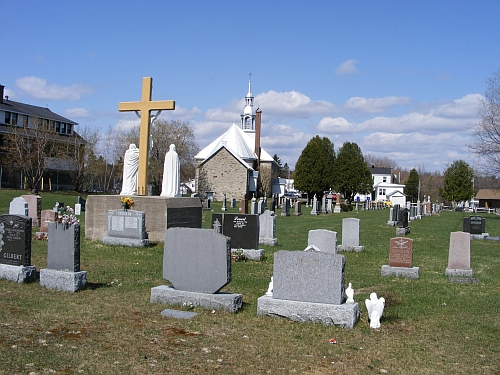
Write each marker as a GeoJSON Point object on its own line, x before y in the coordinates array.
{"type": "Point", "coordinates": [402, 79]}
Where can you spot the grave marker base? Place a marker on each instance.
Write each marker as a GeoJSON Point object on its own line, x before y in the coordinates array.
{"type": "Point", "coordinates": [268, 241]}
{"type": "Point", "coordinates": [131, 242]}
{"type": "Point", "coordinates": [357, 249]}
{"type": "Point", "coordinates": [345, 315]}
{"type": "Point", "coordinates": [18, 274]}
{"type": "Point", "coordinates": [65, 281]}
{"type": "Point", "coordinates": [218, 301]}
{"type": "Point", "coordinates": [459, 272]}
{"type": "Point", "coordinates": [250, 254]}
{"type": "Point", "coordinates": [406, 272]}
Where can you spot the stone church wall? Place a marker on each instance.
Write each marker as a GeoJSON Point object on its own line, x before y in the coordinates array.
{"type": "Point", "coordinates": [222, 173]}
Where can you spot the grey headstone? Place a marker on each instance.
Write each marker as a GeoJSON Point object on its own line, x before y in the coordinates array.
{"type": "Point", "coordinates": [15, 240]}
{"type": "Point", "coordinates": [325, 240]}
{"type": "Point", "coordinates": [459, 253]}
{"type": "Point", "coordinates": [34, 208]}
{"type": "Point", "coordinates": [197, 260]}
{"type": "Point", "coordinates": [298, 208]}
{"type": "Point", "coordinates": [350, 232]}
{"type": "Point", "coordinates": [126, 228]}
{"type": "Point", "coordinates": [242, 229]}
{"type": "Point", "coordinates": [285, 208]}
{"type": "Point", "coordinates": [323, 204]}
{"type": "Point", "coordinates": [18, 206]}
{"type": "Point", "coordinates": [267, 228]}
{"type": "Point", "coordinates": [309, 276]}
{"type": "Point", "coordinates": [314, 210]}
{"type": "Point", "coordinates": [64, 247]}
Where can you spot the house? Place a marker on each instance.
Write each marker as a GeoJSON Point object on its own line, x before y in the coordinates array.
{"type": "Point", "coordinates": [488, 198]}
{"type": "Point", "coordinates": [386, 187]}
{"type": "Point", "coordinates": [234, 164]}
{"type": "Point", "coordinates": [16, 116]}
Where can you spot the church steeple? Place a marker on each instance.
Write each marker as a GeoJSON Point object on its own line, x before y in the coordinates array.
{"type": "Point", "coordinates": [248, 115]}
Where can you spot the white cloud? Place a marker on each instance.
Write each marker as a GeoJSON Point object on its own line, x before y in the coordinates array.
{"type": "Point", "coordinates": [125, 125]}
{"type": "Point", "coordinates": [77, 113]}
{"type": "Point", "coordinates": [466, 107]}
{"type": "Point", "coordinates": [335, 125]}
{"type": "Point", "coordinates": [39, 89]}
{"type": "Point", "coordinates": [292, 104]}
{"type": "Point", "coordinates": [347, 67]}
{"type": "Point", "coordinates": [374, 105]}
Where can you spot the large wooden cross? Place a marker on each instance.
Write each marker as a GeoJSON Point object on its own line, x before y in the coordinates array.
{"type": "Point", "coordinates": [145, 106]}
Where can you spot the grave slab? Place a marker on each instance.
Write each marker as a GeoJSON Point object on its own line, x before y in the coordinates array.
{"type": "Point", "coordinates": [65, 281]}
{"type": "Point", "coordinates": [345, 315]}
{"type": "Point", "coordinates": [18, 274]}
{"type": "Point", "coordinates": [164, 294]}
{"type": "Point", "coordinates": [405, 272]}
{"type": "Point", "coordinates": [350, 236]}
{"type": "Point", "coordinates": [178, 314]}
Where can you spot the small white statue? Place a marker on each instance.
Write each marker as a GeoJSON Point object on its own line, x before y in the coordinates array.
{"type": "Point", "coordinates": [171, 174]}
{"type": "Point", "coordinates": [130, 168]}
{"type": "Point", "coordinates": [375, 307]}
{"type": "Point", "coordinates": [349, 292]}
{"type": "Point", "coordinates": [269, 292]}
{"type": "Point", "coordinates": [312, 248]}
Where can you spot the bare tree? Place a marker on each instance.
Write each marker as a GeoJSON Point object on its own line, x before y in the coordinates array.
{"type": "Point", "coordinates": [380, 161]}
{"type": "Point", "coordinates": [32, 148]}
{"type": "Point", "coordinates": [487, 130]}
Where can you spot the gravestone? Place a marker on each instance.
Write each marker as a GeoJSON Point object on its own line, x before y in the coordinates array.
{"type": "Point", "coordinates": [207, 204]}
{"type": "Point", "coordinates": [459, 255]}
{"type": "Point", "coordinates": [198, 264]}
{"type": "Point", "coordinates": [46, 217]}
{"type": "Point", "coordinates": [323, 204]}
{"type": "Point", "coordinates": [261, 206]}
{"type": "Point", "coordinates": [350, 235]}
{"type": "Point", "coordinates": [18, 206]}
{"type": "Point", "coordinates": [403, 227]}
{"type": "Point", "coordinates": [314, 210]}
{"type": "Point", "coordinates": [243, 231]}
{"type": "Point", "coordinates": [298, 208]}
{"type": "Point", "coordinates": [401, 259]}
{"type": "Point", "coordinates": [81, 202]}
{"type": "Point", "coordinates": [34, 208]}
{"type": "Point", "coordinates": [329, 203]}
{"type": "Point", "coordinates": [233, 202]}
{"type": "Point", "coordinates": [63, 270]}
{"type": "Point", "coordinates": [126, 228]}
{"type": "Point", "coordinates": [267, 229]}
{"type": "Point", "coordinates": [309, 286]}
{"type": "Point", "coordinates": [244, 205]}
{"type": "Point", "coordinates": [338, 208]}
{"type": "Point", "coordinates": [253, 206]}
{"type": "Point", "coordinates": [15, 249]}
{"type": "Point", "coordinates": [475, 225]}
{"type": "Point", "coordinates": [78, 209]}
{"type": "Point", "coordinates": [285, 208]}
{"type": "Point", "coordinates": [224, 202]}
{"type": "Point", "coordinates": [324, 240]}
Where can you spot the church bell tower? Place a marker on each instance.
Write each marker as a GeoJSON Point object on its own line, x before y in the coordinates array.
{"type": "Point", "coordinates": [248, 115]}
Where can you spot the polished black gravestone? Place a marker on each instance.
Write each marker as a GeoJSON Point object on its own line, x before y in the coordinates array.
{"type": "Point", "coordinates": [15, 248]}
{"type": "Point", "coordinates": [242, 229]}
{"type": "Point", "coordinates": [474, 225]}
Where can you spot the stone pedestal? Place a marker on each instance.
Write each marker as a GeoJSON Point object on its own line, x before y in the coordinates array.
{"type": "Point", "coordinates": [217, 301]}
{"type": "Point", "coordinates": [18, 274]}
{"type": "Point", "coordinates": [66, 281]}
{"type": "Point", "coordinates": [406, 272]}
{"type": "Point", "coordinates": [344, 315]}
{"type": "Point", "coordinates": [161, 213]}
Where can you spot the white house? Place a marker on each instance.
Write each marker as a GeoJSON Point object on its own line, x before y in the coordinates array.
{"type": "Point", "coordinates": [386, 187]}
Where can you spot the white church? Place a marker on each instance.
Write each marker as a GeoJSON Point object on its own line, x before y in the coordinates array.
{"type": "Point", "coordinates": [235, 164]}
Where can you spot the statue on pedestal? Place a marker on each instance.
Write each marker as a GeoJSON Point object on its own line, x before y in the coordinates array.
{"type": "Point", "coordinates": [171, 174]}
{"type": "Point", "coordinates": [130, 168]}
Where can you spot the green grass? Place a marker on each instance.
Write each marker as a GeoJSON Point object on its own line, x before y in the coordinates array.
{"type": "Point", "coordinates": [430, 326]}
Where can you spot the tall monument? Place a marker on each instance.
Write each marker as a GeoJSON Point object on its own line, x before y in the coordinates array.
{"type": "Point", "coordinates": [145, 106]}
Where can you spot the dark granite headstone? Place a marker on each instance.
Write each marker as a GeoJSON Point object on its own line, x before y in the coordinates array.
{"type": "Point", "coordinates": [64, 247]}
{"type": "Point", "coordinates": [242, 229]}
{"type": "Point", "coordinates": [403, 218]}
{"type": "Point", "coordinates": [474, 225]}
{"type": "Point", "coordinates": [15, 240]}
{"type": "Point", "coordinates": [81, 201]}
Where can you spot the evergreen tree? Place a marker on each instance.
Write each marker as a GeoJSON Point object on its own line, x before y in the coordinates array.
{"type": "Point", "coordinates": [458, 182]}
{"type": "Point", "coordinates": [314, 170]}
{"type": "Point", "coordinates": [352, 175]}
{"type": "Point", "coordinates": [412, 185]}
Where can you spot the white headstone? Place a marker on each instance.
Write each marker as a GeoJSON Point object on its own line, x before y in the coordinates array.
{"type": "Point", "coordinates": [18, 206]}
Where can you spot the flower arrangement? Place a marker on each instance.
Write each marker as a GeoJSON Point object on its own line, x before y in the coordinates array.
{"type": "Point", "coordinates": [66, 216]}
{"type": "Point", "coordinates": [127, 202]}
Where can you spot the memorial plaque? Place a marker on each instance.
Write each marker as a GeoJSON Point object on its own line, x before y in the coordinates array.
{"type": "Point", "coordinates": [401, 252]}
{"type": "Point", "coordinates": [126, 224]}
{"type": "Point", "coordinates": [242, 229]}
{"type": "Point", "coordinates": [15, 240]}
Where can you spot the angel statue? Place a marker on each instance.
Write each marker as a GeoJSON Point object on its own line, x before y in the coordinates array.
{"type": "Point", "coordinates": [269, 292]}
{"type": "Point", "coordinates": [375, 307]}
{"type": "Point", "coordinates": [349, 292]}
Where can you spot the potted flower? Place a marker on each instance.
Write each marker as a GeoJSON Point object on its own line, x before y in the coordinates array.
{"type": "Point", "coordinates": [66, 216]}
{"type": "Point", "coordinates": [127, 202]}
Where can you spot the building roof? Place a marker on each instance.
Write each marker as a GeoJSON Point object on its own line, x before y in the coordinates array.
{"type": "Point", "coordinates": [236, 141]}
{"type": "Point", "coordinates": [32, 110]}
{"type": "Point", "coordinates": [380, 170]}
{"type": "Point", "coordinates": [488, 194]}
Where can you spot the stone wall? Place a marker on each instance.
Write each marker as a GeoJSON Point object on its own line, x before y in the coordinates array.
{"type": "Point", "coordinates": [161, 214]}
{"type": "Point", "coordinates": [222, 173]}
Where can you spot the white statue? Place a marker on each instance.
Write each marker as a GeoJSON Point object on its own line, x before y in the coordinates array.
{"type": "Point", "coordinates": [171, 174]}
{"type": "Point", "coordinates": [269, 292]}
{"type": "Point", "coordinates": [130, 168]}
{"type": "Point", "coordinates": [375, 307]}
{"type": "Point", "coordinates": [349, 292]}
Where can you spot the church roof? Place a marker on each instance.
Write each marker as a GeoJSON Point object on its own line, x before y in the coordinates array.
{"type": "Point", "coordinates": [237, 142]}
